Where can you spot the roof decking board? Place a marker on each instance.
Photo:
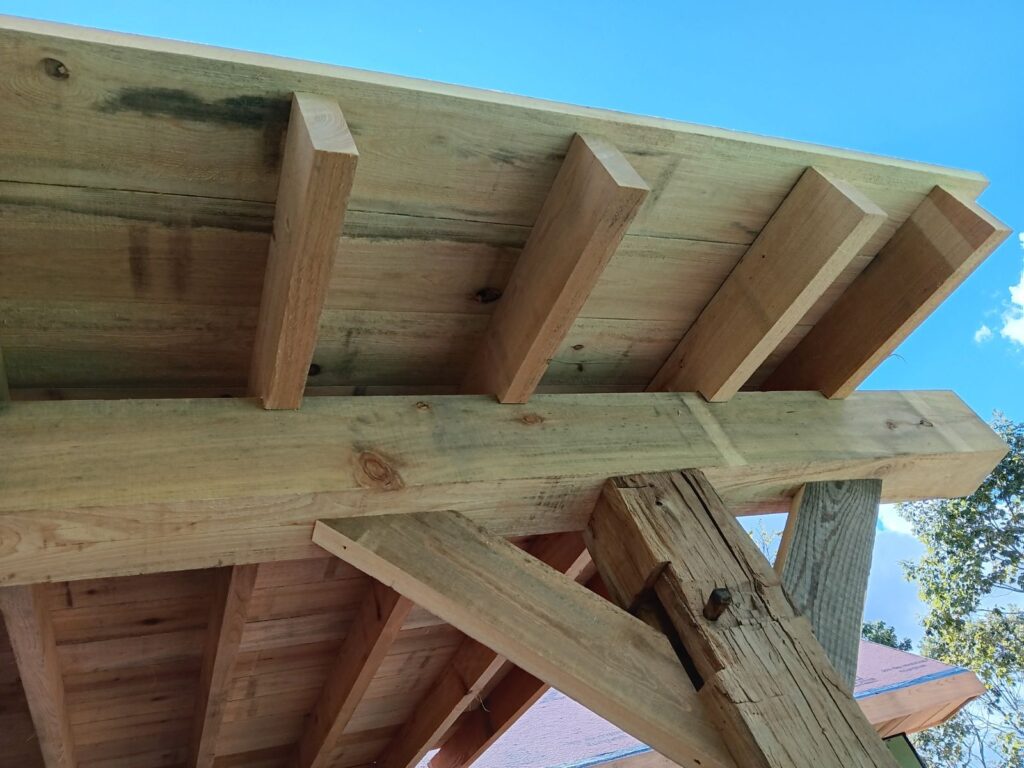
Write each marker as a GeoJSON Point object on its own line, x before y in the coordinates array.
{"type": "Point", "coordinates": [162, 158]}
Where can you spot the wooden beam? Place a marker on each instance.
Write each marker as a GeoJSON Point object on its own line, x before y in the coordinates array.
{"type": "Point", "coordinates": [587, 211]}
{"type": "Point", "coordinates": [228, 610]}
{"type": "Point", "coordinates": [473, 668]}
{"type": "Point", "coordinates": [928, 257]}
{"type": "Point", "coordinates": [820, 226]}
{"type": "Point", "coordinates": [477, 731]}
{"type": "Point", "coordinates": [5, 389]}
{"type": "Point", "coordinates": [824, 560]}
{"type": "Point", "coordinates": [543, 621]}
{"type": "Point", "coordinates": [150, 486]}
{"type": "Point", "coordinates": [30, 630]}
{"type": "Point", "coordinates": [317, 170]}
{"type": "Point", "coordinates": [761, 674]}
{"type": "Point", "coordinates": [371, 635]}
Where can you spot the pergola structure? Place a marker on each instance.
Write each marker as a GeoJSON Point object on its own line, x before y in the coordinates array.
{"type": "Point", "coordinates": [554, 351]}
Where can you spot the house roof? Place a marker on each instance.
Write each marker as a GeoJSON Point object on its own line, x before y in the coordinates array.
{"type": "Point", "coordinates": [899, 692]}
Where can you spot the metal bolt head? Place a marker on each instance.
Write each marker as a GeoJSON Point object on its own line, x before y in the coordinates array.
{"type": "Point", "coordinates": [718, 601]}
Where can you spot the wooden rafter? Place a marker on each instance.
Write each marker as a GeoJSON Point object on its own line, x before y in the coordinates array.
{"type": "Point", "coordinates": [668, 538]}
{"type": "Point", "coordinates": [316, 178]}
{"type": "Point", "coordinates": [931, 254]}
{"type": "Point", "coordinates": [820, 226]}
{"type": "Point", "coordinates": [30, 630]}
{"type": "Point", "coordinates": [233, 590]}
{"type": "Point", "coordinates": [824, 560]}
{"type": "Point", "coordinates": [473, 668]}
{"type": "Point", "coordinates": [5, 391]}
{"type": "Point", "coordinates": [587, 212]}
{"type": "Point", "coordinates": [477, 731]}
{"type": "Point", "coordinates": [517, 690]}
{"type": "Point", "coordinates": [543, 621]}
{"type": "Point", "coordinates": [376, 625]}
{"type": "Point", "coordinates": [251, 487]}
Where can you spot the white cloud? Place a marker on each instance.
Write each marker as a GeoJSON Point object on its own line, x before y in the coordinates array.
{"type": "Point", "coordinates": [983, 334]}
{"type": "Point", "coordinates": [891, 520]}
{"type": "Point", "coordinates": [1013, 317]}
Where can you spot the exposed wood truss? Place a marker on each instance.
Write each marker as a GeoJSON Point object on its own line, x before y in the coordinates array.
{"type": "Point", "coordinates": [932, 253]}
{"type": "Point", "coordinates": [543, 621]}
{"type": "Point", "coordinates": [670, 539]}
{"type": "Point", "coordinates": [173, 257]}
{"type": "Point", "coordinates": [819, 228]}
{"type": "Point", "coordinates": [213, 465]}
{"type": "Point", "coordinates": [30, 632]}
{"type": "Point", "coordinates": [824, 561]}
{"type": "Point", "coordinates": [316, 178]}
{"type": "Point", "coordinates": [233, 591]}
{"type": "Point", "coordinates": [591, 204]}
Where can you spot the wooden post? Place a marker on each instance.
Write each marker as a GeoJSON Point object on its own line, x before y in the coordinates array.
{"type": "Point", "coordinates": [764, 679]}
{"type": "Point", "coordinates": [824, 561]}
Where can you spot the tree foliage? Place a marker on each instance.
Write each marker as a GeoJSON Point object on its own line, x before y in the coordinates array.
{"type": "Point", "coordinates": [971, 577]}
{"type": "Point", "coordinates": [884, 634]}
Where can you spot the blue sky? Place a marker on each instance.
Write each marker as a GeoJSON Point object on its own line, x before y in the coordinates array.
{"type": "Point", "coordinates": [937, 81]}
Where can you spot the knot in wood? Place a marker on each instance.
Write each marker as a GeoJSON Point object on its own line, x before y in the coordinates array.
{"type": "Point", "coordinates": [56, 69]}
{"type": "Point", "coordinates": [718, 601]}
{"type": "Point", "coordinates": [422, 406]}
{"type": "Point", "coordinates": [374, 471]}
{"type": "Point", "coordinates": [531, 418]}
{"type": "Point", "coordinates": [487, 295]}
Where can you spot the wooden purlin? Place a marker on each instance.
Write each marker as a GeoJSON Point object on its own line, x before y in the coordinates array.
{"type": "Point", "coordinates": [246, 484]}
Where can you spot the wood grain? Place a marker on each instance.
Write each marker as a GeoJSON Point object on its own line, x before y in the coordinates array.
{"type": "Point", "coordinates": [932, 253]}
{"type": "Point", "coordinates": [584, 217]}
{"type": "Point", "coordinates": [669, 536]}
{"type": "Point", "coordinates": [30, 633]}
{"type": "Point", "coordinates": [233, 591]}
{"type": "Point", "coordinates": [817, 231]}
{"type": "Point", "coordinates": [317, 171]}
{"type": "Point", "coordinates": [824, 560]}
{"type": "Point", "coordinates": [375, 629]}
{"type": "Point", "coordinates": [214, 131]}
{"type": "Point", "coordinates": [473, 668]}
{"type": "Point", "coordinates": [156, 485]}
{"type": "Point", "coordinates": [543, 621]}
{"type": "Point", "coordinates": [480, 728]}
